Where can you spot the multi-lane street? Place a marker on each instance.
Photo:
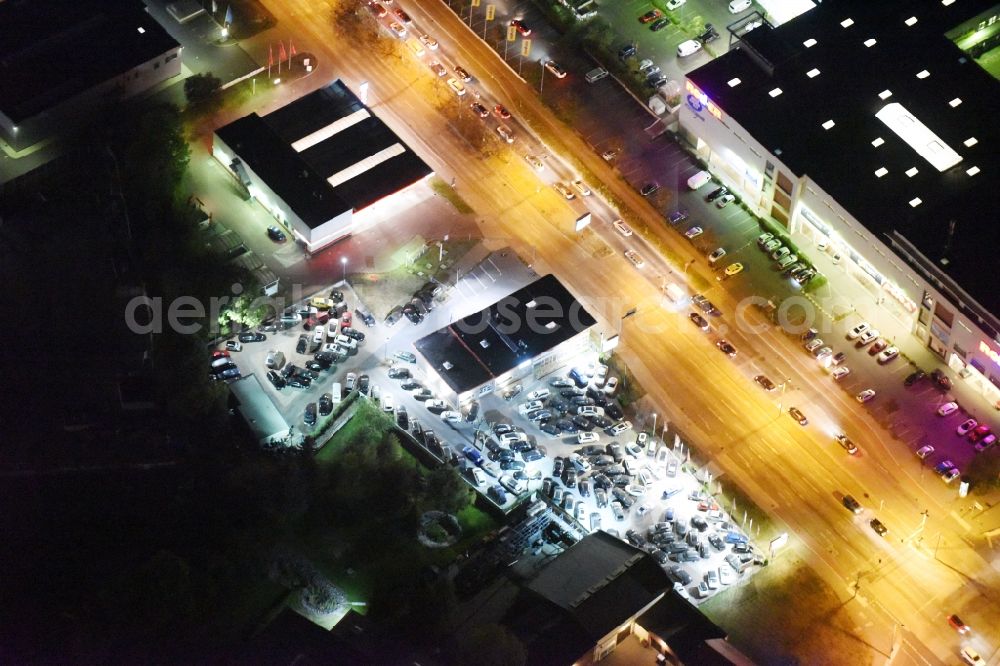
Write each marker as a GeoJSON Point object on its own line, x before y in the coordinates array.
{"type": "Point", "coordinates": [906, 583]}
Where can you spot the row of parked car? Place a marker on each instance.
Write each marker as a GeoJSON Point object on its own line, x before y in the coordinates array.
{"type": "Point", "coordinates": [790, 264]}
{"type": "Point", "coordinates": [422, 302]}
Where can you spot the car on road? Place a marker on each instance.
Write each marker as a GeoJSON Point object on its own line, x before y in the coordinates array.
{"type": "Point", "coordinates": [970, 656]}
{"type": "Point", "coordinates": [635, 258]}
{"type": "Point", "coordinates": [581, 187]}
{"type": "Point", "coordinates": [563, 190]}
{"type": "Point", "coordinates": [851, 504]}
{"type": "Point", "coordinates": [865, 396]}
{"type": "Point", "coordinates": [726, 348]}
{"type": "Point", "coordinates": [958, 625]}
{"type": "Point", "coordinates": [535, 163]}
{"type": "Point", "coordinates": [941, 380]}
{"type": "Point", "coordinates": [888, 354]}
{"type": "Point", "coordinates": [479, 110]}
{"type": "Point", "coordinates": [764, 382]}
{"type": "Point", "coordinates": [694, 232]}
{"type": "Point", "coordinates": [377, 9]}
{"type": "Point", "coordinates": [648, 189]}
{"type": "Point", "coordinates": [556, 70]}
{"type": "Point", "coordinates": [798, 415]}
{"type": "Point", "coordinates": [734, 269]}
{"type": "Point", "coordinates": [963, 428]}
{"type": "Point", "coordinates": [878, 526]}
{"type": "Point", "coordinates": [609, 155]}
{"type": "Point", "coordinates": [925, 451]}
{"type": "Point", "coordinates": [457, 86]}
{"type": "Point", "coordinates": [505, 133]}
{"type": "Point", "coordinates": [622, 228]}
{"type": "Point", "coordinates": [429, 42]}
{"type": "Point", "coordinates": [402, 16]}
{"type": "Point", "coordinates": [699, 321]}
{"type": "Point", "coordinates": [949, 408]}
{"type": "Point", "coordinates": [847, 444]}
{"type": "Point", "coordinates": [438, 68]}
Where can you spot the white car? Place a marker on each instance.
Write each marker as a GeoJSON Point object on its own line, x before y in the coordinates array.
{"type": "Point", "coordinates": [688, 48]}
{"type": "Point", "coordinates": [429, 42]}
{"type": "Point", "coordinates": [457, 86]}
{"type": "Point", "coordinates": [712, 578]}
{"type": "Point", "coordinates": [587, 437]}
{"type": "Point", "coordinates": [633, 449]}
{"type": "Point", "coordinates": [611, 385]}
{"type": "Point", "coordinates": [535, 163]}
{"type": "Point", "coordinates": [397, 29]}
{"type": "Point", "coordinates": [716, 255]}
{"type": "Point", "coordinates": [506, 133]}
{"type": "Point", "coordinates": [622, 228]}
{"type": "Point", "coordinates": [965, 427]}
{"type": "Point", "coordinates": [619, 428]}
{"type": "Point", "coordinates": [949, 408]}
{"type": "Point", "coordinates": [451, 416]}
{"type": "Point", "coordinates": [694, 232]}
{"type": "Point", "coordinates": [563, 190]}
{"type": "Point", "coordinates": [588, 410]}
{"type": "Point", "coordinates": [841, 372]}
{"type": "Point", "coordinates": [865, 395]}
{"type": "Point", "coordinates": [726, 575]}
{"type": "Point", "coordinates": [671, 467]}
{"type": "Point", "coordinates": [737, 6]}
{"type": "Point", "coordinates": [436, 404]}
{"type": "Point", "coordinates": [540, 394]}
{"type": "Point", "coordinates": [387, 404]}
{"type": "Point", "coordinates": [581, 187]}
{"type": "Point", "coordinates": [866, 337]}
{"type": "Point", "coordinates": [556, 70]}
{"type": "Point", "coordinates": [438, 68]}
{"type": "Point", "coordinates": [635, 258]}
{"type": "Point", "coordinates": [858, 330]}
{"type": "Point", "coordinates": [887, 355]}
{"type": "Point", "coordinates": [675, 4]}
{"type": "Point", "coordinates": [724, 200]}
{"type": "Point", "coordinates": [925, 451]}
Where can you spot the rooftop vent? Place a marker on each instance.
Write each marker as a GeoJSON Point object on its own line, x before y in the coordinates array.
{"type": "Point", "coordinates": [447, 365]}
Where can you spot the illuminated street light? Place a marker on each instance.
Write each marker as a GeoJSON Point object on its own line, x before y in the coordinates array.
{"type": "Point", "coordinates": [343, 263]}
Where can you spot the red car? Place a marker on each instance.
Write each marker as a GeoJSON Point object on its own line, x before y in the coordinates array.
{"type": "Point", "coordinates": [219, 353]}
{"type": "Point", "coordinates": [501, 112]}
{"type": "Point", "coordinates": [956, 622]}
{"type": "Point", "coordinates": [376, 9]}
{"type": "Point", "coordinates": [878, 346]}
{"type": "Point", "coordinates": [979, 433]}
{"type": "Point", "coordinates": [521, 27]}
{"type": "Point", "coordinates": [402, 16]}
{"type": "Point", "coordinates": [345, 319]}
{"type": "Point", "coordinates": [651, 16]}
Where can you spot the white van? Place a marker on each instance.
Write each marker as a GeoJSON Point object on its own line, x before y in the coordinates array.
{"type": "Point", "coordinates": [336, 392]}
{"type": "Point", "coordinates": [596, 74]}
{"type": "Point", "coordinates": [221, 362]}
{"type": "Point", "coordinates": [699, 180]}
{"type": "Point", "coordinates": [690, 47]}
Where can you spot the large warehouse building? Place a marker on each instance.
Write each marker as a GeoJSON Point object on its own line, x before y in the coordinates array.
{"type": "Point", "coordinates": [64, 62]}
{"type": "Point", "coordinates": [530, 332]}
{"type": "Point", "coordinates": [870, 129]}
{"type": "Point", "coordinates": [320, 164]}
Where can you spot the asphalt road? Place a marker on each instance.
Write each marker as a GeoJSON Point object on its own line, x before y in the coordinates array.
{"type": "Point", "coordinates": [797, 473]}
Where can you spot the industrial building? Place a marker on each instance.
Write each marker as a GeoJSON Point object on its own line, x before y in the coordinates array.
{"type": "Point", "coordinates": [530, 332]}
{"type": "Point", "coordinates": [321, 165]}
{"type": "Point", "coordinates": [63, 63]}
{"type": "Point", "coordinates": [870, 132]}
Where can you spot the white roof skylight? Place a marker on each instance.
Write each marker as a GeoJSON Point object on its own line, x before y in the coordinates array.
{"type": "Point", "coordinates": [912, 171]}
{"type": "Point", "coordinates": [915, 201]}
{"type": "Point", "coordinates": [734, 82]}
{"type": "Point", "coordinates": [923, 74]}
{"type": "Point", "coordinates": [918, 136]}
{"type": "Point", "coordinates": [878, 141]}
{"type": "Point", "coordinates": [828, 124]}
{"type": "Point", "coordinates": [812, 73]}
{"type": "Point", "coordinates": [847, 23]}
{"type": "Point", "coordinates": [870, 42]}
{"type": "Point", "coordinates": [971, 141]}
{"type": "Point", "coordinates": [809, 43]}
{"type": "Point", "coordinates": [775, 92]}
{"type": "Point", "coordinates": [911, 21]}
{"type": "Point", "coordinates": [881, 171]}
{"type": "Point", "coordinates": [955, 102]}
{"type": "Point", "coordinates": [885, 94]}
{"type": "Point", "coordinates": [972, 171]}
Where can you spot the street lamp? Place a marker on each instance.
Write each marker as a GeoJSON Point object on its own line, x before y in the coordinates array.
{"type": "Point", "coordinates": [343, 263]}
{"type": "Point", "coordinates": [781, 401]}
{"type": "Point", "coordinates": [654, 424]}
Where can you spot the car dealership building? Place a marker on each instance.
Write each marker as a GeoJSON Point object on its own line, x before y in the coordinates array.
{"type": "Point", "coordinates": [322, 165]}
{"type": "Point", "coordinates": [868, 129]}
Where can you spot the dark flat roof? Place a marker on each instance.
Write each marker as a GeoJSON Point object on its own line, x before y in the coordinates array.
{"type": "Point", "coordinates": [299, 176]}
{"type": "Point", "coordinates": [496, 339]}
{"type": "Point", "coordinates": [601, 581]}
{"type": "Point", "coordinates": [842, 159]}
{"type": "Point", "coordinates": [52, 50]}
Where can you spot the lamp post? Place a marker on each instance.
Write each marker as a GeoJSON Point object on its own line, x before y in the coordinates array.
{"type": "Point", "coordinates": [781, 401]}
{"type": "Point", "coordinates": [343, 264]}
{"type": "Point", "coordinates": [654, 423]}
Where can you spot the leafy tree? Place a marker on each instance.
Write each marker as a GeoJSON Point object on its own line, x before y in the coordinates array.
{"type": "Point", "coordinates": [201, 91]}
{"type": "Point", "coordinates": [446, 491]}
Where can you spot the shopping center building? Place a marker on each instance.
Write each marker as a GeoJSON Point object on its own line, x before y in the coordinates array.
{"type": "Point", "coordinates": [870, 130]}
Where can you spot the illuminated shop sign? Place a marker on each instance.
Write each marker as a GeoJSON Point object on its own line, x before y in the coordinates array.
{"type": "Point", "coordinates": [815, 221]}
{"type": "Point", "coordinates": [900, 296]}
{"type": "Point", "coordinates": [699, 101]}
{"type": "Point", "coordinates": [989, 351]}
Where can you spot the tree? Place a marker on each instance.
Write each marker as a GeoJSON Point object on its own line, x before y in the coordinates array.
{"type": "Point", "coordinates": [446, 491]}
{"type": "Point", "coordinates": [202, 90]}
{"type": "Point", "coordinates": [490, 645]}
